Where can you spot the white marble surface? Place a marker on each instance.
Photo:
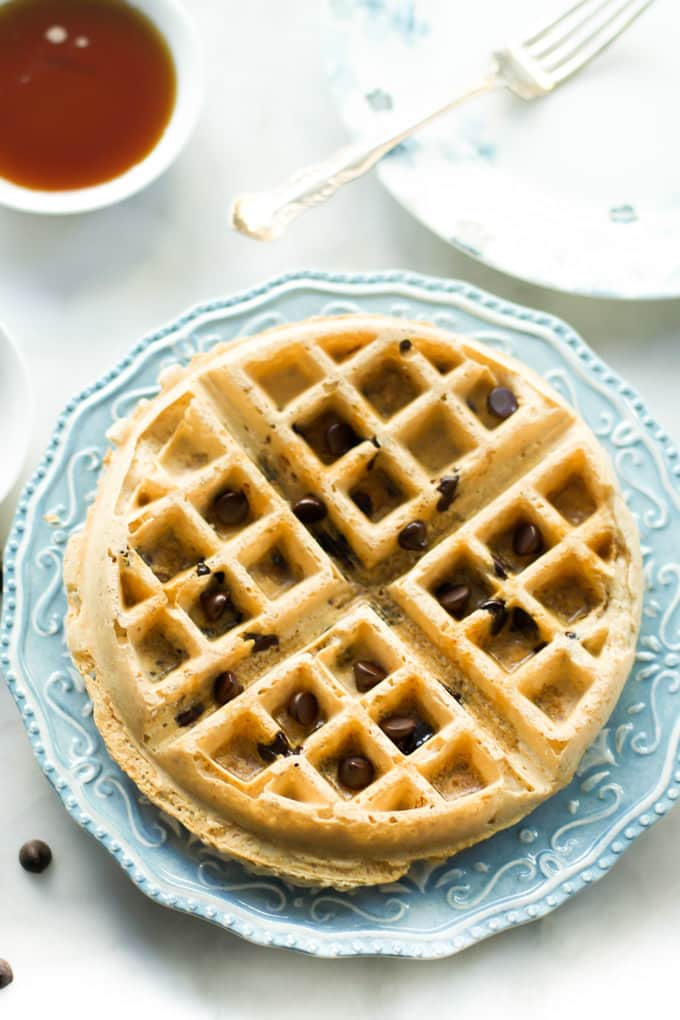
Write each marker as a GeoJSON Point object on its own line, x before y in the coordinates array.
{"type": "Point", "coordinates": [77, 293]}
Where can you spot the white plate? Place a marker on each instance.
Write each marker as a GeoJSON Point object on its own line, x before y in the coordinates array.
{"type": "Point", "coordinates": [16, 413]}
{"type": "Point", "coordinates": [579, 191]}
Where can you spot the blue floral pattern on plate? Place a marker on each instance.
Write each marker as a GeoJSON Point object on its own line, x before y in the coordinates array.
{"type": "Point", "coordinates": [628, 778]}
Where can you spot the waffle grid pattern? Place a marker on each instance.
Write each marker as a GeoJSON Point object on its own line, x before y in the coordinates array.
{"type": "Point", "coordinates": [503, 688]}
{"type": "Point", "coordinates": [417, 410]}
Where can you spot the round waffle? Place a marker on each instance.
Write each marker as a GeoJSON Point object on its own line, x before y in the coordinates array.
{"type": "Point", "coordinates": [353, 592]}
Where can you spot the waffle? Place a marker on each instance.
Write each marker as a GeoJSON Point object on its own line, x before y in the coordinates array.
{"type": "Point", "coordinates": [353, 592]}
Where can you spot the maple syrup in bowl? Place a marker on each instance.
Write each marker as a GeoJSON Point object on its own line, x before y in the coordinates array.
{"type": "Point", "coordinates": [97, 98]}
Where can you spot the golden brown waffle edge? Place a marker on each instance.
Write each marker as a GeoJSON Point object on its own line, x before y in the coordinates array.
{"type": "Point", "coordinates": [462, 617]}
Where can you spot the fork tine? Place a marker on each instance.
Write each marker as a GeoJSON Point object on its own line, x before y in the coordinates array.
{"type": "Point", "coordinates": [547, 29]}
{"type": "Point", "coordinates": [553, 40]}
{"type": "Point", "coordinates": [608, 31]}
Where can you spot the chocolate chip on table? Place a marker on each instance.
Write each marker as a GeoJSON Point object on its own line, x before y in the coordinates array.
{"type": "Point", "coordinates": [304, 708]}
{"type": "Point", "coordinates": [261, 642]}
{"type": "Point", "coordinates": [500, 568]}
{"type": "Point", "coordinates": [214, 603]}
{"type": "Point", "coordinates": [189, 715]}
{"type": "Point", "coordinates": [448, 487]}
{"type": "Point", "coordinates": [226, 687]}
{"type": "Point", "coordinates": [454, 599]}
{"type": "Point", "coordinates": [367, 674]}
{"type": "Point", "coordinates": [501, 402]}
{"type": "Point", "coordinates": [355, 772]}
{"type": "Point", "coordinates": [231, 507]}
{"type": "Point", "coordinates": [35, 856]}
{"type": "Point", "coordinates": [276, 748]}
{"type": "Point", "coordinates": [340, 437]}
{"type": "Point", "coordinates": [202, 569]}
{"type": "Point", "coordinates": [414, 536]}
{"type": "Point", "coordinates": [310, 509]}
{"type": "Point", "coordinates": [527, 540]}
{"type": "Point", "coordinates": [6, 974]}
{"type": "Point", "coordinates": [405, 346]}
{"type": "Point", "coordinates": [499, 613]}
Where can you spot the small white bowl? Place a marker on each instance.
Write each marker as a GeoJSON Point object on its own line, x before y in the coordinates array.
{"type": "Point", "coordinates": [16, 413]}
{"type": "Point", "coordinates": [179, 30]}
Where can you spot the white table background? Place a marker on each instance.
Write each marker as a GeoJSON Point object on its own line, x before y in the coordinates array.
{"type": "Point", "coordinates": [77, 293]}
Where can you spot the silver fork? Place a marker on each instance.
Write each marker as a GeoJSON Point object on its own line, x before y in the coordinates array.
{"type": "Point", "coordinates": [530, 69]}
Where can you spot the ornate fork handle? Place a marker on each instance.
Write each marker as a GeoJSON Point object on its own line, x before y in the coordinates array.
{"type": "Point", "coordinates": [265, 215]}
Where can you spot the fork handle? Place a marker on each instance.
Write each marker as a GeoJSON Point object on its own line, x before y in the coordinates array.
{"type": "Point", "coordinates": [265, 215]}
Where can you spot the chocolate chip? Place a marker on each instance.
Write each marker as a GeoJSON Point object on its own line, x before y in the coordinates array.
{"type": "Point", "coordinates": [226, 687]}
{"type": "Point", "coordinates": [304, 708]}
{"type": "Point", "coordinates": [500, 614]}
{"type": "Point", "coordinates": [363, 501]}
{"type": "Point", "coordinates": [355, 772]}
{"type": "Point", "coordinates": [310, 509]}
{"type": "Point", "coordinates": [202, 569]}
{"type": "Point", "coordinates": [336, 545]}
{"type": "Point", "coordinates": [278, 560]}
{"type": "Point", "coordinates": [231, 507]}
{"type": "Point", "coordinates": [405, 346]}
{"type": "Point", "coordinates": [6, 974]}
{"type": "Point", "coordinates": [420, 735]}
{"type": "Point", "coordinates": [367, 674]}
{"type": "Point", "coordinates": [501, 402]}
{"type": "Point", "coordinates": [570, 634]}
{"type": "Point", "coordinates": [276, 748]}
{"type": "Point", "coordinates": [448, 487]}
{"type": "Point", "coordinates": [261, 642]}
{"type": "Point", "coordinates": [454, 598]}
{"type": "Point", "coordinates": [220, 577]}
{"type": "Point", "coordinates": [522, 621]}
{"type": "Point", "coordinates": [189, 715]}
{"type": "Point", "coordinates": [214, 603]}
{"type": "Point", "coordinates": [340, 437]}
{"type": "Point", "coordinates": [399, 727]}
{"type": "Point", "coordinates": [500, 568]}
{"type": "Point", "coordinates": [376, 442]}
{"type": "Point", "coordinates": [527, 540]}
{"type": "Point", "coordinates": [414, 536]}
{"type": "Point", "coordinates": [35, 856]}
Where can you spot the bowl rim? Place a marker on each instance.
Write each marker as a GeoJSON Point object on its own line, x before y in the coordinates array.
{"type": "Point", "coordinates": [172, 18]}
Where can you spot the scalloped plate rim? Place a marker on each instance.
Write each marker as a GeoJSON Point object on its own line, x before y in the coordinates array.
{"type": "Point", "coordinates": [368, 942]}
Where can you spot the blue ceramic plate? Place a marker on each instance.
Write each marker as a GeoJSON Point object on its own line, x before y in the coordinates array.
{"type": "Point", "coordinates": [577, 191]}
{"type": "Point", "coordinates": [628, 778]}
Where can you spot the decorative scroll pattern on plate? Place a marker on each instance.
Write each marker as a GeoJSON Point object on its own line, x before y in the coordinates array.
{"type": "Point", "coordinates": [521, 873]}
